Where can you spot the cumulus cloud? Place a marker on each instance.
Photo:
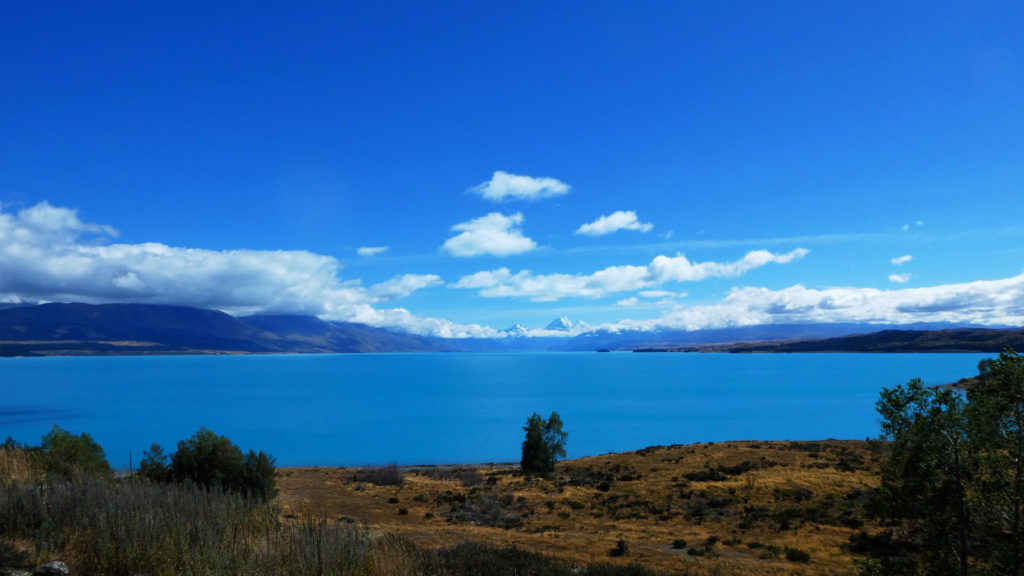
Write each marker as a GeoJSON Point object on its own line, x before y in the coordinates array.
{"type": "Point", "coordinates": [621, 220]}
{"type": "Point", "coordinates": [628, 302]}
{"type": "Point", "coordinates": [48, 254]}
{"type": "Point", "coordinates": [899, 278]}
{"type": "Point", "coordinates": [679, 269]}
{"type": "Point", "coordinates": [551, 287]}
{"type": "Point", "coordinates": [505, 186]}
{"type": "Point", "coordinates": [984, 302]}
{"type": "Point", "coordinates": [494, 234]}
{"type": "Point", "coordinates": [901, 259]}
{"type": "Point", "coordinates": [372, 250]}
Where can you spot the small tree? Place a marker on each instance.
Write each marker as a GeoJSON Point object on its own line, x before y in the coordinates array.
{"type": "Point", "coordinates": [154, 464]}
{"type": "Point", "coordinates": [214, 461]}
{"type": "Point", "coordinates": [544, 444]}
{"type": "Point", "coordinates": [65, 454]}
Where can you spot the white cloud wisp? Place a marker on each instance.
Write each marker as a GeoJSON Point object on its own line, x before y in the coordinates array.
{"type": "Point", "coordinates": [504, 186]}
{"type": "Point", "coordinates": [621, 220]}
{"type": "Point", "coordinates": [367, 251]}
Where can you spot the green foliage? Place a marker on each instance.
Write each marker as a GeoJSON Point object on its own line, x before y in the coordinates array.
{"type": "Point", "coordinates": [213, 461]}
{"type": "Point", "coordinates": [544, 444]}
{"type": "Point", "coordinates": [954, 477]}
{"type": "Point", "coordinates": [154, 465]}
{"type": "Point", "coordinates": [66, 455]}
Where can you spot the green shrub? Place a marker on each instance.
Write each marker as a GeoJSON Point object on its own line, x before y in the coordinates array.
{"type": "Point", "coordinates": [67, 455]}
{"type": "Point", "coordinates": [797, 555]}
{"type": "Point", "coordinates": [213, 461]}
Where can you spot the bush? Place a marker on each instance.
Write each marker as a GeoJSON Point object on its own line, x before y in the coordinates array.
{"type": "Point", "coordinates": [381, 475]}
{"type": "Point", "coordinates": [620, 549]}
{"type": "Point", "coordinates": [797, 555]}
{"type": "Point", "coordinates": [213, 461]}
{"type": "Point", "coordinates": [67, 455]}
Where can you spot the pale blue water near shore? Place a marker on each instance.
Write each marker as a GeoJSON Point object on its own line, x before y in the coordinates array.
{"type": "Point", "coordinates": [454, 408]}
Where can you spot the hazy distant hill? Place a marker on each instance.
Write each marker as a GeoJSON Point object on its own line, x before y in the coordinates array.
{"type": "Point", "coordinates": [629, 340]}
{"type": "Point", "coordinates": [74, 328]}
{"type": "Point", "coordinates": [324, 336]}
{"type": "Point", "coordinates": [954, 340]}
{"type": "Point", "coordinates": [51, 329]}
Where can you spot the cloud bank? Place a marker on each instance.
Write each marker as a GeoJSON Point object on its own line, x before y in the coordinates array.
{"type": "Point", "coordinates": [983, 302]}
{"type": "Point", "coordinates": [502, 283]}
{"type": "Point", "coordinates": [504, 186]}
{"type": "Point", "coordinates": [621, 220]}
{"type": "Point", "coordinates": [494, 234]}
{"type": "Point", "coordinates": [48, 254]}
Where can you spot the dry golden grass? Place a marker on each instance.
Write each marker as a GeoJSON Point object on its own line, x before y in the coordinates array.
{"type": "Point", "coordinates": [17, 466]}
{"type": "Point", "coordinates": [743, 505]}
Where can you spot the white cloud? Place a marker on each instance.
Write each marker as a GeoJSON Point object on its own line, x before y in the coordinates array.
{"type": "Point", "coordinates": [621, 220]}
{"type": "Point", "coordinates": [494, 234]}
{"type": "Point", "coordinates": [657, 294]}
{"type": "Point", "coordinates": [48, 254]}
{"type": "Point", "coordinates": [404, 285]}
{"type": "Point", "coordinates": [982, 302]}
{"type": "Point", "coordinates": [628, 302]}
{"type": "Point", "coordinates": [899, 278]}
{"type": "Point", "coordinates": [551, 287]}
{"type": "Point", "coordinates": [901, 259]}
{"type": "Point", "coordinates": [505, 186]}
{"type": "Point", "coordinates": [372, 250]}
{"type": "Point", "coordinates": [680, 269]}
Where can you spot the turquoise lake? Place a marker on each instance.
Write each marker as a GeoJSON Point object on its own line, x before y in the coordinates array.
{"type": "Point", "coordinates": [356, 409]}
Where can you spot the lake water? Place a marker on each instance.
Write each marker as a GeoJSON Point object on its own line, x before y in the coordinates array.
{"type": "Point", "coordinates": [356, 409]}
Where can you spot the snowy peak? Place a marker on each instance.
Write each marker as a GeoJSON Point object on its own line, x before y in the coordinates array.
{"type": "Point", "coordinates": [517, 330]}
{"type": "Point", "coordinates": [562, 324]}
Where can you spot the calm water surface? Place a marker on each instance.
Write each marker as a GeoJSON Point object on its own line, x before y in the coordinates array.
{"type": "Point", "coordinates": [454, 408]}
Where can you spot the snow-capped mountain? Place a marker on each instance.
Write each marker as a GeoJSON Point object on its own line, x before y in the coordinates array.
{"type": "Point", "coordinates": [561, 324]}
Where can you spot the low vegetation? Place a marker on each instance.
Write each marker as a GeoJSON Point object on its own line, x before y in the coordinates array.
{"type": "Point", "coordinates": [723, 508]}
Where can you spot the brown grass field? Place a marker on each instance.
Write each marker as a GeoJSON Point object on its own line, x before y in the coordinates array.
{"type": "Point", "coordinates": [719, 508]}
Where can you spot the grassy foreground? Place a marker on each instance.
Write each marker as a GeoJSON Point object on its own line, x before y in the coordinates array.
{"type": "Point", "coordinates": [722, 508]}
{"type": "Point", "coordinates": [729, 508]}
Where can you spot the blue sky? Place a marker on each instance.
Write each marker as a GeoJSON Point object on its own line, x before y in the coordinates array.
{"type": "Point", "coordinates": [626, 164]}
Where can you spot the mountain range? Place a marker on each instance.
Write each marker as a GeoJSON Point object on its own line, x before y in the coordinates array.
{"type": "Point", "coordinates": [125, 329]}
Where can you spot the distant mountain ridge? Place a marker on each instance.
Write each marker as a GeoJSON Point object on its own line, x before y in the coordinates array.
{"type": "Point", "coordinates": [122, 329]}
{"type": "Point", "coordinates": [73, 328]}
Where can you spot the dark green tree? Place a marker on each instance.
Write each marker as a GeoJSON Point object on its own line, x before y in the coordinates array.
{"type": "Point", "coordinates": [154, 465]}
{"type": "Point", "coordinates": [953, 482]}
{"type": "Point", "coordinates": [214, 461]}
{"type": "Point", "coordinates": [67, 455]}
{"type": "Point", "coordinates": [544, 444]}
{"type": "Point", "coordinates": [926, 477]}
{"type": "Point", "coordinates": [995, 412]}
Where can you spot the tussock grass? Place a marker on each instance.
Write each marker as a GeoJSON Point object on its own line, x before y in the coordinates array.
{"type": "Point", "coordinates": [17, 465]}
{"type": "Point", "coordinates": [100, 526]}
{"type": "Point", "coordinates": [731, 508]}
